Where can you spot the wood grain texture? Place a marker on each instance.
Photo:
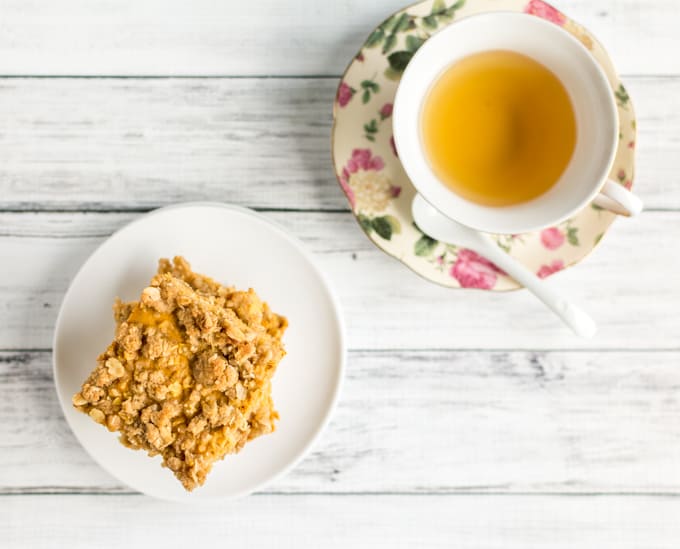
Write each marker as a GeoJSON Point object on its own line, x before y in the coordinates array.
{"type": "Point", "coordinates": [267, 37]}
{"type": "Point", "coordinates": [120, 144]}
{"type": "Point", "coordinates": [479, 522]}
{"type": "Point", "coordinates": [622, 284]}
{"type": "Point", "coordinates": [422, 422]}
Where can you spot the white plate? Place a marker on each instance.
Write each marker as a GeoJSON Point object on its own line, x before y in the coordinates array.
{"type": "Point", "coordinates": [237, 247]}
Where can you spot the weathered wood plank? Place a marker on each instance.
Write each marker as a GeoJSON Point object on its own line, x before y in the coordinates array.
{"type": "Point", "coordinates": [483, 522]}
{"type": "Point", "coordinates": [127, 144]}
{"type": "Point", "coordinates": [627, 284]}
{"type": "Point", "coordinates": [267, 37]}
{"type": "Point", "coordinates": [139, 143]}
{"type": "Point", "coordinates": [422, 422]}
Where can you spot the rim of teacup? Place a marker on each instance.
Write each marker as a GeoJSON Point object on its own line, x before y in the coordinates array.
{"type": "Point", "coordinates": [504, 220]}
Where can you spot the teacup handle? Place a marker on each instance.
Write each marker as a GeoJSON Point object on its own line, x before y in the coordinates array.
{"type": "Point", "coordinates": [616, 198]}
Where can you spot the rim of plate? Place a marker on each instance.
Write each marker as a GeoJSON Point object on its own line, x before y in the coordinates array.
{"type": "Point", "coordinates": [336, 313]}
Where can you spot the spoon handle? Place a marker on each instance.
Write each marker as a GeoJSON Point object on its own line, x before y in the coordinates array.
{"type": "Point", "coordinates": [576, 318]}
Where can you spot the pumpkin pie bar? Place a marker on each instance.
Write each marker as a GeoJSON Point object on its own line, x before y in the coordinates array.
{"type": "Point", "coordinates": [188, 375]}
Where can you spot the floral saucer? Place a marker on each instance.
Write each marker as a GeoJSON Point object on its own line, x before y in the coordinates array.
{"type": "Point", "coordinates": [380, 193]}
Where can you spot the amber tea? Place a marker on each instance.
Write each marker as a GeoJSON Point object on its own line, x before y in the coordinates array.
{"type": "Point", "coordinates": [498, 128]}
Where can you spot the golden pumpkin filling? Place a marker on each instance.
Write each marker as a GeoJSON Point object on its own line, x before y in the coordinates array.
{"type": "Point", "coordinates": [188, 375]}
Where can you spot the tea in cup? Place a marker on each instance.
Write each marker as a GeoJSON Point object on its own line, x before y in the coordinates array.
{"type": "Point", "coordinates": [507, 124]}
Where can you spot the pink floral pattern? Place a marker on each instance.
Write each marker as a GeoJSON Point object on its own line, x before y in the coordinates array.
{"type": "Point", "coordinates": [386, 111]}
{"type": "Point", "coordinates": [471, 270]}
{"type": "Point", "coordinates": [552, 238]}
{"type": "Point", "coordinates": [361, 159]}
{"type": "Point", "coordinates": [624, 179]}
{"type": "Point", "coordinates": [545, 11]}
{"type": "Point", "coordinates": [345, 94]}
{"type": "Point", "coordinates": [546, 270]}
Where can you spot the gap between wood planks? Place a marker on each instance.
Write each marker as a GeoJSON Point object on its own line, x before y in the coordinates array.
{"type": "Point", "coordinates": [18, 492]}
{"type": "Point", "coordinates": [35, 209]}
{"type": "Point", "coordinates": [84, 209]}
{"type": "Point", "coordinates": [415, 350]}
{"type": "Point", "coordinates": [669, 76]}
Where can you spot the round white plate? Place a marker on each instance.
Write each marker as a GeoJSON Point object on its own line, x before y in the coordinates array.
{"type": "Point", "coordinates": [236, 247]}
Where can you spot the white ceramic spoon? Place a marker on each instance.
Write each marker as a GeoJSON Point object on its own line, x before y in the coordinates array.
{"type": "Point", "coordinates": [438, 226]}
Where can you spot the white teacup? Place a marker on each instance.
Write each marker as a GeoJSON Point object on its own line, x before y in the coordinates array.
{"type": "Point", "coordinates": [586, 177]}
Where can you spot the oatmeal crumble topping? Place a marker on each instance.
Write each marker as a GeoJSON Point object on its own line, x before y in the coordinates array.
{"type": "Point", "coordinates": [188, 375]}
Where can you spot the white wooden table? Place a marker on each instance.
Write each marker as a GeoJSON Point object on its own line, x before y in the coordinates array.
{"type": "Point", "coordinates": [466, 420]}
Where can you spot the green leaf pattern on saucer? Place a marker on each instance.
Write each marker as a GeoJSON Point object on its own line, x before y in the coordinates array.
{"type": "Point", "coordinates": [379, 192]}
